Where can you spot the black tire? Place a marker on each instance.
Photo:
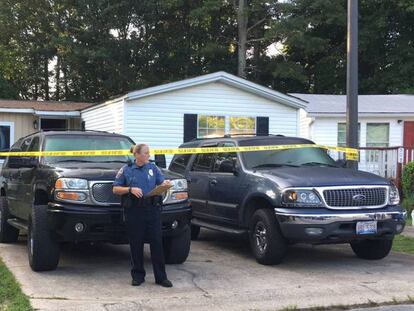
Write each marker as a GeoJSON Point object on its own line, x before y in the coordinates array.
{"type": "Point", "coordinates": [177, 248]}
{"type": "Point", "coordinates": [267, 243]}
{"type": "Point", "coordinates": [372, 249]}
{"type": "Point", "coordinates": [43, 250]}
{"type": "Point", "coordinates": [8, 233]}
{"type": "Point", "coordinates": [195, 232]}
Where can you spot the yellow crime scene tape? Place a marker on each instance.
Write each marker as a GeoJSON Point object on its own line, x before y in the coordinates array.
{"type": "Point", "coordinates": [350, 153]}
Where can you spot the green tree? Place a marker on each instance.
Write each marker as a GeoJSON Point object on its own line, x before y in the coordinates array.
{"type": "Point", "coordinates": [313, 34]}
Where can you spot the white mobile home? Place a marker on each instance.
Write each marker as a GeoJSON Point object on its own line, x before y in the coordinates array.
{"type": "Point", "coordinates": [165, 116]}
{"type": "Point", "coordinates": [384, 121]}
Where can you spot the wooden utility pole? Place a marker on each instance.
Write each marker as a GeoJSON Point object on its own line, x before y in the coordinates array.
{"type": "Point", "coordinates": [352, 80]}
{"type": "Point", "coordinates": [242, 20]}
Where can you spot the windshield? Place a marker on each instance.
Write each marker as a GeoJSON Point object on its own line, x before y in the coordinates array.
{"type": "Point", "coordinates": [86, 142]}
{"type": "Point", "coordinates": [289, 157]}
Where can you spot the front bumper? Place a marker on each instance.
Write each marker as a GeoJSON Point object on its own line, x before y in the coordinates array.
{"type": "Point", "coordinates": [106, 224]}
{"type": "Point", "coordinates": [328, 226]}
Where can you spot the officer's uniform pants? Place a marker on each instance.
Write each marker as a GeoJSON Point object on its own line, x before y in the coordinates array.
{"type": "Point", "coordinates": [144, 224]}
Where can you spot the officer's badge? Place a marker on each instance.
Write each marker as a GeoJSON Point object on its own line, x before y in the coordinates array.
{"type": "Point", "coordinates": [150, 172]}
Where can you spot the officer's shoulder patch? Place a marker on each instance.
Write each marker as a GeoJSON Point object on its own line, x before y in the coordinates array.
{"type": "Point", "coordinates": [120, 172]}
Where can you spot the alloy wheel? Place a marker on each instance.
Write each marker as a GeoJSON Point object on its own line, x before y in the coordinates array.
{"type": "Point", "coordinates": [260, 235]}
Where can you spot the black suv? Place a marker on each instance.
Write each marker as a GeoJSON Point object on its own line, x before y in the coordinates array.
{"type": "Point", "coordinates": [69, 199]}
{"type": "Point", "coordinates": [286, 196]}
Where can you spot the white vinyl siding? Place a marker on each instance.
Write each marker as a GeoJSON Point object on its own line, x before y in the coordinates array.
{"type": "Point", "coordinates": [108, 117]}
{"type": "Point", "coordinates": [304, 124]}
{"type": "Point", "coordinates": [325, 130]}
{"type": "Point", "coordinates": [158, 120]}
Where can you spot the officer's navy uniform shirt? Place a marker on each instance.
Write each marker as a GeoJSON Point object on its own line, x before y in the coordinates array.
{"type": "Point", "coordinates": [146, 177]}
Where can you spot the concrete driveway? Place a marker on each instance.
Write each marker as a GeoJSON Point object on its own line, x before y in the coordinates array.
{"type": "Point", "coordinates": [220, 274]}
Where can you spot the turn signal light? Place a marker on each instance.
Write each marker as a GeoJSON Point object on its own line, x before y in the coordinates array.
{"type": "Point", "coordinates": [59, 184]}
{"type": "Point", "coordinates": [73, 196]}
{"type": "Point", "coordinates": [180, 196]}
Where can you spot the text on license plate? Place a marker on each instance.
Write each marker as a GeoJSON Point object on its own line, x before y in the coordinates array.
{"type": "Point", "coordinates": [366, 227]}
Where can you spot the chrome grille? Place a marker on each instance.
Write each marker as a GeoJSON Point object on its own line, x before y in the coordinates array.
{"type": "Point", "coordinates": [355, 197]}
{"type": "Point", "coordinates": [102, 193]}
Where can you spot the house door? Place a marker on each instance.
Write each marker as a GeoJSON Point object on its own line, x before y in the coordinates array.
{"type": "Point", "coordinates": [408, 140]}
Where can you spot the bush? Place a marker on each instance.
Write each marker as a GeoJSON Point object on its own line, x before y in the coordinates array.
{"type": "Point", "coordinates": [408, 204]}
{"type": "Point", "coordinates": [408, 187]}
{"type": "Point", "coordinates": [408, 180]}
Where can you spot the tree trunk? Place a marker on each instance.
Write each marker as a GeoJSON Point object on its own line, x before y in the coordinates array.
{"type": "Point", "coordinates": [36, 78]}
{"type": "Point", "coordinates": [57, 78]}
{"type": "Point", "coordinates": [46, 77]}
{"type": "Point", "coordinates": [65, 79]}
{"type": "Point", "coordinates": [242, 20]}
{"type": "Point", "coordinates": [256, 59]}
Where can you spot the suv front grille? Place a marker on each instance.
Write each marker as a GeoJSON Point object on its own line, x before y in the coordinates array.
{"type": "Point", "coordinates": [102, 193]}
{"type": "Point", "coordinates": [355, 197]}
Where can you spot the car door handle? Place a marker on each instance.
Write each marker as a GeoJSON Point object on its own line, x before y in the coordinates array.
{"type": "Point", "coordinates": [213, 181]}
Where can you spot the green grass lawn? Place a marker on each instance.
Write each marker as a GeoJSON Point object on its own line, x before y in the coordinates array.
{"type": "Point", "coordinates": [11, 296]}
{"type": "Point", "coordinates": [403, 244]}
{"type": "Point", "coordinates": [409, 222]}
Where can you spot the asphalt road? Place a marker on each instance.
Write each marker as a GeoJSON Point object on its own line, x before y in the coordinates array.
{"type": "Point", "coordinates": [220, 274]}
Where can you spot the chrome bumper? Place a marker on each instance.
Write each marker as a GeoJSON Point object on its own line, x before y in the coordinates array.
{"type": "Point", "coordinates": [309, 218]}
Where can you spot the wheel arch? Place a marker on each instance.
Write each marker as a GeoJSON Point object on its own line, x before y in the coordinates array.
{"type": "Point", "coordinates": [40, 195]}
{"type": "Point", "coordinates": [252, 203]}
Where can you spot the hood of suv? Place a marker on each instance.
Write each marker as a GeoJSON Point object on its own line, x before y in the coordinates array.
{"type": "Point", "coordinates": [320, 177]}
{"type": "Point", "coordinates": [97, 171]}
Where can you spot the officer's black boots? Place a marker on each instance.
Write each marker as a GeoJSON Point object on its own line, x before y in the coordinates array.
{"type": "Point", "coordinates": [165, 283]}
{"type": "Point", "coordinates": [136, 282]}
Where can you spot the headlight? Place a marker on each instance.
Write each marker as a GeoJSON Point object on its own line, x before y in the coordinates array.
{"type": "Point", "coordinates": [300, 198]}
{"type": "Point", "coordinates": [179, 185]}
{"type": "Point", "coordinates": [393, 196]}
{"type": "Point", "coordinates": [71, 183]}
{"type": "Point", "coordinates": [177, 193]}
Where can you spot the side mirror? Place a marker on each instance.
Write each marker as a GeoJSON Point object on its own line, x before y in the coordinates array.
{"type": "Point", "coordinates": [227, 166]}
{"type": "Point", "coordinates": [29, 162]}
{"type": "Point", "coordinates": [341, 162]}
{"type": "Point", "coordinates": [15, 162]}
{"type": "Point", "coordinates": [160, 160]}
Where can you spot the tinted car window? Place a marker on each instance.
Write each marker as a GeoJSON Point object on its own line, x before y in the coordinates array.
{"type": "Point", "coordinates": [179, 163]}
{"type": "Point", "coordinates": [221, 157]}
{"type": "Point", "coordinates": [34, 145]}
{"type": "Point", "coordinates": [288, 157]}
{"type": "Point", "coordinates": [202, 163]}
{"type": "Point", "coordinates": [26, 143]}
{"type": "Point", "coordinates": [87, 142]}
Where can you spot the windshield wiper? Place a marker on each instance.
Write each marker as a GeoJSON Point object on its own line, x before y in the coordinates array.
{"type": "Point", "coordinates": [112, 161]}
{"type": "Point", "coordinates": [73, 160]}
{"type": "Point", "coordinates": [274, 165]}
{"type": "Point", "coordinates": [317, 164]}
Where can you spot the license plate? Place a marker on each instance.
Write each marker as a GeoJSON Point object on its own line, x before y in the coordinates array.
{"type": "Point", "coordinates": [366, 227]}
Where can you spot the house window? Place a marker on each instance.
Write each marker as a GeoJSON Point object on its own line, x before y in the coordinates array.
{"type": "Point", "coordinates": [242, 125]}
{"type": "Point", "coordinates": [216, 126]}
{"type": "Point", "coordinates": [210, 126]}
{"type": "Point", "coordinates": [342, 134]}
{"type": "Point", "coordinates": [6, 135]}
{"type": "Point", "coordinates": [378, 134]}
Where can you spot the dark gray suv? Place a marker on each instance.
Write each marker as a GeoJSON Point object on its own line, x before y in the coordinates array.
{"type": "Point", "coordinates": [286, 196]}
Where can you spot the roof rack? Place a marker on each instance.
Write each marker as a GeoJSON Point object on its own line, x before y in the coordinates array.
{"type": "Point", "coordinates": [62, 130]}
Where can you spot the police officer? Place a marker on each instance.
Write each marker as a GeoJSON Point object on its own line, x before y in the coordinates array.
{"type": "Point", "coordinates": [142, 214]}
